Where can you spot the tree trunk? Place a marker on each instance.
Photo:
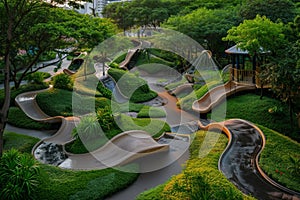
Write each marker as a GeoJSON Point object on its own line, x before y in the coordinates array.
{"type": "Point", "coordinates": [6, 104]}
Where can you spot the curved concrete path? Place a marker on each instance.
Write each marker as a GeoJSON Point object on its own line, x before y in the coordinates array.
{"type": "Point", "coordinates": [217, 94]}
{"type": "Point", "coordinates": [122, 149]}
{"type": "Point", "coordinates": [239, 162]}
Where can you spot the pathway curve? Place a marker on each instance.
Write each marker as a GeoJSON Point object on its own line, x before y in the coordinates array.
{"type": "Point", "coordinates": [239, 162]}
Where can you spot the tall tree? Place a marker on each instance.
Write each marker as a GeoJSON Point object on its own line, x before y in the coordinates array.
{"type": "Point", "coordinates": [35, 27]}
{"type": "Point", "coordinates": [206, 26]}
{"type": "Point", "coordinates": [283, 69]}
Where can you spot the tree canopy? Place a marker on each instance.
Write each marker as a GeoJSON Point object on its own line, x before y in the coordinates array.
{"type": "Point", "coordinates": [283, 10]}
{"type": "Point", "coordinates": [257, 35]}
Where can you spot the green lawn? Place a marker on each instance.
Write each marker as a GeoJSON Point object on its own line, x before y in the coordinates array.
{"type": "Point", "coordinates": [250, 107]}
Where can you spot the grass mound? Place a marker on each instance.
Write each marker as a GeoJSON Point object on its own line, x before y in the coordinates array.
{"type": "Point", "coordinates": [132, 86]}
{"type": "Point", "coordinates": [18, 118]}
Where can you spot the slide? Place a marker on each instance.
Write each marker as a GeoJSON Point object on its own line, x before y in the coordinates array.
{"type": "Point", "coordinates": [68, 72]}
{"type": "Point", "coordinates": [239, 161]}
{"type": "Point", "coordinates": [121, 149]}
{"type": "Point", "coordinates": [217, 94]}
{"type": "Point", "coordinates": [130, 54]}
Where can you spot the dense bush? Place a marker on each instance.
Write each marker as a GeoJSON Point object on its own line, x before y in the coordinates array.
{"type": "Point", "coordinates": [62, 81]}
{"type": "Point", "coordinates": [104, 91]}
{"type": "Point", "coordinates": [37, 77]}
{"type": "Point", "coordinates": [105, 118]}
{"type": "Point", "coordinates": [19, 175]}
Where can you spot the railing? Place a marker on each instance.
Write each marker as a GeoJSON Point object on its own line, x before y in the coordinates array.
{"type": "Point", "coordinates": [242, 76]}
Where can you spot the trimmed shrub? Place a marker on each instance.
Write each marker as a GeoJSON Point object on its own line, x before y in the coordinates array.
{"type": "Point", "coordinates": [62, 81]}
{"type": "Point", "coordinates": [37, 77]}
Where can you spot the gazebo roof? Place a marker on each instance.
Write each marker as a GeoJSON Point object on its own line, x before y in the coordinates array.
{"type": "Point", "coordinates": [236, 50]}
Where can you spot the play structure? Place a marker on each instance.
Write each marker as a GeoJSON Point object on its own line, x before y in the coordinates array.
{"type": "Point", "coordinates": [121, 149]}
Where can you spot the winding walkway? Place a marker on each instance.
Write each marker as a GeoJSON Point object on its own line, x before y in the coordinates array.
{"type": "Point", "coordinates": [239, 162]}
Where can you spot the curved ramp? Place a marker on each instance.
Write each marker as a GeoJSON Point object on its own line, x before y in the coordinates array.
{"type": "Point", "coordinates": [217, 94]}
{"type": "Point", "coordinates": [130, 54]}
{"type": "Point", "coordinates": [121, 149]}
{"type": "Point", "coordinates": [185, 88]}
{"type": "Point", "coordinates": [239, 161]}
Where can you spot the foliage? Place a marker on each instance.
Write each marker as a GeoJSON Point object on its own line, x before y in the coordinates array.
{"type": "Point", "coordinates": [18, 118]}
{"type": "Point", "coordinates": [257, 35]}
{"type": "Point", "coordinates": [57, 102]}
{"type": "Point", "coordinates": [206, 26]}
{"type": "Point", "coordinates": [62, 81]}
{"type": "Point", "coordinates": [104, 91]}
{"type": "Point", "coordinates": [19, 175]}
{"type": "Point", "coordinates": [37, 77]}
{"type": "Point", "coordinates": [87, 129]}
{"type": "Point", "coordinates": [105, 118]}
{"type": "Point", "coordinates": [280, 159]}
{"type": "Point", "coordinates": [283, 10]}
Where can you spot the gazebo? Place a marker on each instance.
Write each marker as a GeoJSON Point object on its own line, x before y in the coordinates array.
{"type": "Point", "coordinates": [243, 68]}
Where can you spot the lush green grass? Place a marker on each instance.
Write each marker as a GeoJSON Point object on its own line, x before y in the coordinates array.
{"type": "Point", "coordinates": [132, 86]}
{"type": "Point", "coordinates": [201, 178]}
{"type": "Point", "coordinates": [152, 112]}
{"type": "Point", "coordinates": [57, 102]}
{"type": "Point", "coordinates": [250, 107]}
{"type": "Point", "coordinates": [23, 143]}
{"type": "Point", "coordinates": [154, 127]}
{"type": "Point", "coordinates": [275, 159]}
{"type": "Point", "coordinates": [89, 185]}
{"type": "Point", "coordinates": [67, 184]}
{"type": "Point", "coordinates": [18, 118]}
